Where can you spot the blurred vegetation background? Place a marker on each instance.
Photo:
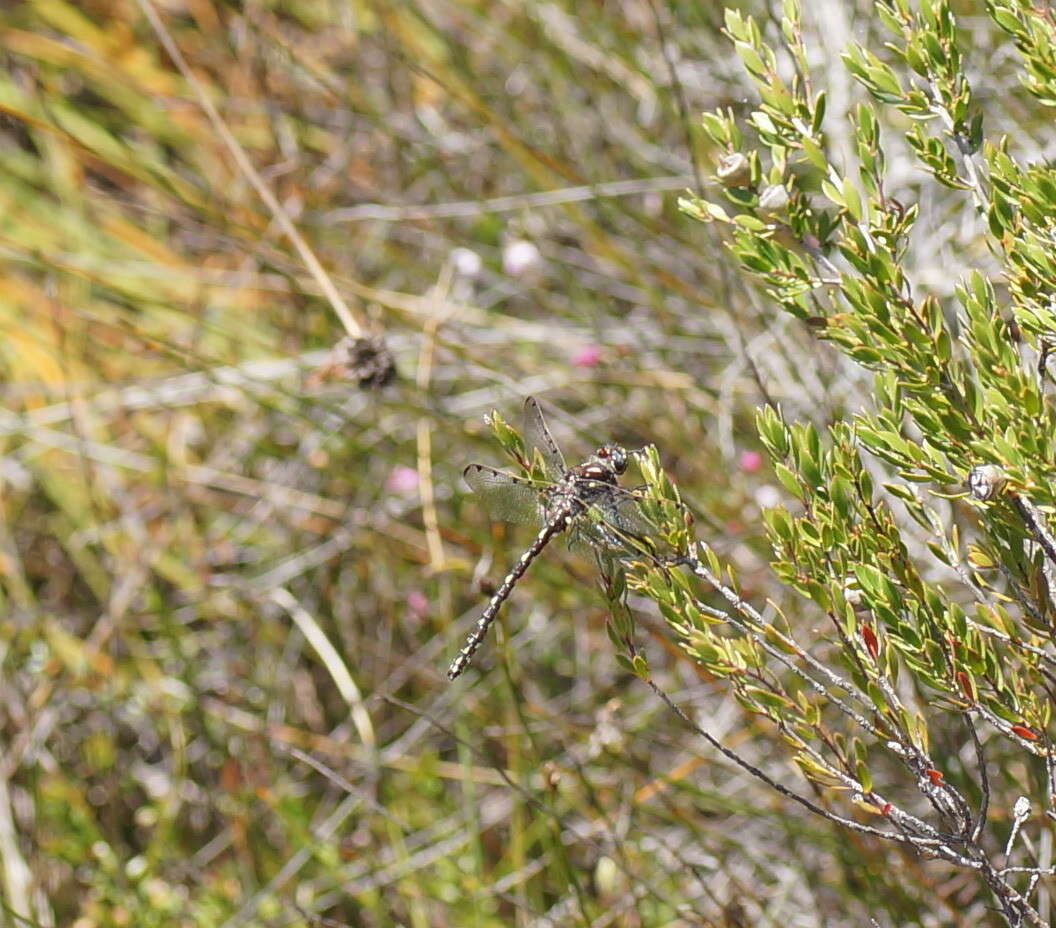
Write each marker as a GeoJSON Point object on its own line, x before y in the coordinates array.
{"type": "Point", "coordinates": [232, 577]}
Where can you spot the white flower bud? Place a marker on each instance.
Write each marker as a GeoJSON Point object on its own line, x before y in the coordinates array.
{"type": "Point", "coordinates": [466, 262]}
{"type": "Point", "coordinates": [521, 257]}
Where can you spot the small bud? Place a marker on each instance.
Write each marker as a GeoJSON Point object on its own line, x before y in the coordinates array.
{"type": "Point", "coordinates": [551, 775]}
{"type": "Point", "coordinates": [734, 170]}
{"type": "Point", "coordinates": [467, 262]}
{"type": "Point", "coordinates": [520, 258]}
{"type": "Point", "coordinates": [871, 643]}
{"type": "Point", "coordinates": [773, 199]}
{"type": "Point", "coordinates": [136, 867]}
{"type": "Point", "coordinates": [986, 481]}
{"type": "Point", "coordinates": [1020, 813]}
{"type": "Point", "coordinates": [607, 878]}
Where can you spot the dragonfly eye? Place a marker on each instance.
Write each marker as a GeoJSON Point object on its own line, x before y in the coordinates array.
{"type": "Point", "coordinates": [613, 454]}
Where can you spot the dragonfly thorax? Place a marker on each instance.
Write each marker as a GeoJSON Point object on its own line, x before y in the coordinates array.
{"type": "Point", "coordinates": [607, 463]}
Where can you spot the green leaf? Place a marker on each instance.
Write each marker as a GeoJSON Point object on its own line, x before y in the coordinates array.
{"type": "Point", "coordinates": [788, 479]}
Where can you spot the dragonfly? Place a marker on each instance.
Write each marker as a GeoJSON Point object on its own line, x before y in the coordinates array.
{"type": "Point", "coordinates": [584, 500]}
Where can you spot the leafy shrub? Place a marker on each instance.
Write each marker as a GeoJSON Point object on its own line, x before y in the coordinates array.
{"type": "Point", "coordinates": [923, 695]}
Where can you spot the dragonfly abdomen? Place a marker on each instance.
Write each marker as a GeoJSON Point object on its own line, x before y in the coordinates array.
{"type": "Point", "coordinates": [558, 522]}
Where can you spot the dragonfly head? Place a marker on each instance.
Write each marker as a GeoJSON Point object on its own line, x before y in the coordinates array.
{"type": "Point", "coordinates": [613, 457]}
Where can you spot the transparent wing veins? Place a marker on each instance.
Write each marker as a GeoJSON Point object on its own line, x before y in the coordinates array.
{"type": "Point", "coordinates": [537, 436]}
{"type": "Point", "coordinates": [614, 523]}
{"type": "Point", "coordinates": [504, 496]}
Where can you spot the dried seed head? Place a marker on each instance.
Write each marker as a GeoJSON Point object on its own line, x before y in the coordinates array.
{"type": "Point", "coordinates": [986, 481]}
{"type": "Point", "coordinates": [734, 170]}
{"type": "Point", "coordinates": [773, 199]}
{"type": "Point", "coordinates": [364, 359]}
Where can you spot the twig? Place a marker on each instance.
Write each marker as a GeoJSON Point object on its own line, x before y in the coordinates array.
{"type": "Point", "coordinates": [984, 783]}
{"type": "Point", "coordinates": [464, 209]}
{"type": "Point", "coordinates": [1035, 521]}
{"type": "Point", "coordinates": [783, 790]}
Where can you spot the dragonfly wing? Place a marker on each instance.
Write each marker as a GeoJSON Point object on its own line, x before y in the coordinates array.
{"type": "Point", "coordinates": [614, 521]}
{"type": "Point", "coordinates": [628, 517]}
{"type": "Point", "coordinates": [506, 497]}
{"type": "Point", "coordinates": [537, 436]}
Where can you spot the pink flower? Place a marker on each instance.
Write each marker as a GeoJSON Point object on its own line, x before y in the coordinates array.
{"type": "Point", "coordinates": [417, 602]}
{"type": "Point", "coordinates": [587, 356]}
{"type": "Point", "coordinates": [751, 461]}
{"type": "Point", "coordinates": [402, 480]}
